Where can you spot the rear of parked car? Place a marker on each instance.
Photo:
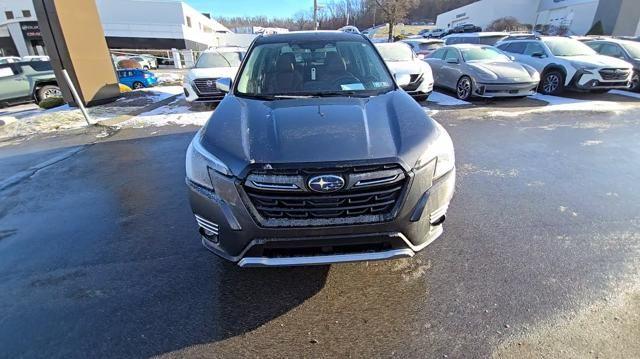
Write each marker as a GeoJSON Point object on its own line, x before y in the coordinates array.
{"type": "Point", "coordinates": [569, 64]}
{"type": "Point", "coordinates": [136, 78]}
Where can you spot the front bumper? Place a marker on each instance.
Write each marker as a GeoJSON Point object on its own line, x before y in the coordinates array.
{"type": "Point", "coordinates": [229, 230]}
{"type": "Point", "coordinates": [505, 89]}
{"type": "Point", "coordinates": [586, 81]}
{"type": "Point", "coordinates": [192, 95]}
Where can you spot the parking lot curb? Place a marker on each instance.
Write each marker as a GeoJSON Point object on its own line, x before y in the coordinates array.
{"type": "Point", "coordinates": [122, 118]}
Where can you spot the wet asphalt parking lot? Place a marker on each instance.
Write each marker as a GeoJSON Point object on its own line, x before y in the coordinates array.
{"type": "Point", "coordinates": [99, 254]}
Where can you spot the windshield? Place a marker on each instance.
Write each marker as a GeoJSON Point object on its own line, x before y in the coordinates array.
{"type": "Point", "coordinates": [633, 49]}
{"type": "Point", "coordinates": [395, 52]}
{"type": "Point", "coordinates": [431, 47]}
{"type": "Point", "coordinates": [568, 47]}
{"type": "Point", "coordinates": [219, 59]}
{"type": "Point", "coordinates": [314, 68]}
{"type": "Point", "coordinates": [483, 54]}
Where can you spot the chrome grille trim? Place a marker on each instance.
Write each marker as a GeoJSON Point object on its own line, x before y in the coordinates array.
{"type": "Point", "coordinates": [208, 225]}
{"type": "Point", "coordinates": [204, 89]}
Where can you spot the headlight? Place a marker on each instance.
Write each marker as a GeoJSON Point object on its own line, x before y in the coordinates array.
{"type": "Point", "coordinates": [535, 75]}
{"type": "Point", "coordinates": [583, 66]}
{"type": "Point", "coordinates": [199, 161]}
{"type": "Point", "coordinates": [442, 151]}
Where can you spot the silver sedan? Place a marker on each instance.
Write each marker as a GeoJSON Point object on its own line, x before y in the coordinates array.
{"type": "Point", "coordinates": [481, 70]}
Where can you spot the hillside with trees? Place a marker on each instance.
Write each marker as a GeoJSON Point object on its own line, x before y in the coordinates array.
{"type": "Point", "coordinates": [334, 14]}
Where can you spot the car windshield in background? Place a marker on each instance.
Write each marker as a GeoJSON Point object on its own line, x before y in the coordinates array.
{"type": "Point", "coordinates": [219, 59]}
{"type": "Point", "coordinates": [314, 68]}
{"type": "Point", "coordinates": [430, 47]}
{"type": "Point", "coordinates": [483, 54]}
{"type": "Point", "coordinates": [568, 47]}
{"type": "Point", "coordinates": [395, 52]}
{"type": "Point", "coordinates": [633, 49]}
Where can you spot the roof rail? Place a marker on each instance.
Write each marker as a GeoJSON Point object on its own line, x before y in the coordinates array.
{"type": "Point", "coordinates": [522, 37]}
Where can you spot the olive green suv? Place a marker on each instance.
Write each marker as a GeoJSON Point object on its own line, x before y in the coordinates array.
{"type": "Point", "coordinates": [28, 81]}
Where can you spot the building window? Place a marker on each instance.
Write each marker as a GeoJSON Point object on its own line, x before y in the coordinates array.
{"type": "Point", "coordinates": [8, 14]}
{"type": "Point", "coordinates": [188, 21]}
{"type": "Point", "coordinates": [26, 13]}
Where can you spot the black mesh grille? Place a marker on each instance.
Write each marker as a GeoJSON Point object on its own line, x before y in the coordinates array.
{"type": "Point", "coordinates": [369, 191]}
{"type": "Point", "coordinates": [614, 74]}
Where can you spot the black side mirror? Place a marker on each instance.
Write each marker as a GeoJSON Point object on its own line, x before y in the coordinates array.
{"type": "Point", "coordinates": [538, 55]}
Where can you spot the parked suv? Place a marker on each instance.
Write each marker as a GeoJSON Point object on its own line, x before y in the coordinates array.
{"type": "Point", "coordinates": [626, 50]}
{"type": "Point", "coordinates": [317, 156]}
{"type": "Point", "coordinates": [567, 63]}
{"type": "Point", "coordinates": [200, 82]}
{"type": "Point", "coordinates": [437, 33]}
{"type": "Point", "coordinates": [458, 29]}
{"type": "Point", "coordinates": [27, 81]}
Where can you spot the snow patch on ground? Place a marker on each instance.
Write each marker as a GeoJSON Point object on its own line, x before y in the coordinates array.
{"type": "Point", "coordinates": [591, 143]}
{"type": "Point", "coordinates": [556, 103]}
{"type": "Point", "coordinates": [64, 118]}
{"type": "Point", "coordinates": [175, 113]}
{"type": "Point", "coordinates": [446, 100]}
{"type": "Point", "coordinates": [625, 93]}
{"type": "Point", "coordinates": [168, 77]}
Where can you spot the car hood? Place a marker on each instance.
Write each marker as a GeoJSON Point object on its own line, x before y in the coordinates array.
{"type": "Point", "coordinates": [212, 72]}
{"type": "Point", "coordinates": [505, 71]}
{"type": "Point", "coordinates": [405, 67]}
{"type": "Point", "coordinates": [390, 127]}
{"type": "Point", "coordinates": [597, 60]}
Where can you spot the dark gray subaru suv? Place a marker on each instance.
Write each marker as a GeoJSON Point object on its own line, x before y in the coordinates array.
{"type": "Point", "coordinates": [316, 156]}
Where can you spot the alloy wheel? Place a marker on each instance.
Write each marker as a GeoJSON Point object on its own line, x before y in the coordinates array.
{"type": "Point", "coordinates": [52, 92]}
{"type": "Point", "coordinates": [464, 88]}
{"type": "Point", "coordinates": [551, 83]}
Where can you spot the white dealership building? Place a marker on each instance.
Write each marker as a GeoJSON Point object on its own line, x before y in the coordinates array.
{"type": "Point", "coordinates": [618, 17]}
{"type": "Point", "coordinates": [131, 24]}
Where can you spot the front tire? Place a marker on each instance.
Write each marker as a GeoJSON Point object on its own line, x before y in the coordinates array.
{"type": "Point", "coordinates": [138, 85]}
{"type": "Point", "coordinates": [48, 91]}
{"type": "Point", "coordinates": [464, 88]}
{"type": "Point", "coordinates": [552, 83]}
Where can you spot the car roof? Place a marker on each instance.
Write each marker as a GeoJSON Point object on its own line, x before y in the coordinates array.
{"type": "Point", "coordinates": [423, 41]}
{"type": "Point", "coordinates": [617, 41]}
{"type": "Point", "coordinates": [478, 34]}
{"type": "Point", "coordinates": [391, 44]}
{"type": "Point", "coordinates": [226, 49]}
{"type": "Point", "coordinates": [330, 35]}
{"type": "Point", "coordinates": [467, 46]}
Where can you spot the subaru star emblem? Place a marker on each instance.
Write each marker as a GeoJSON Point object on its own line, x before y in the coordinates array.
{"type": "Point", "coordinates": [209, 83]}
{"type": "Point", "coordinates": [326, 183]}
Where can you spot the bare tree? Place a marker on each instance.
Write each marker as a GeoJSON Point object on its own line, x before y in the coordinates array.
{"type": "Point", "coordinates": [395, 10]}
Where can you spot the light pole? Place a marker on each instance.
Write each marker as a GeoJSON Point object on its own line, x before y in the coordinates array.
{"type": "Point", "coordinates": [315, 14]}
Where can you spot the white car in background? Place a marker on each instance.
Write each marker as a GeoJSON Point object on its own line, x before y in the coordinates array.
{"type": "Point", "coordinates": [9, 59]}
{"type": "Point", "coordinates": [36, 58]}
{"type": "Point", "coordinates": [401, 60]}
{"type": "Point", "coordinates": [568, 64]}
{"type": "Point", "coordinates": [144, 62]}
{"type": "Point", "coordinates": [199, 83]}
{"type": "Point", "coordinates": [424, 47]}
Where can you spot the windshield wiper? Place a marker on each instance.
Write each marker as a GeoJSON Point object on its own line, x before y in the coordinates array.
{"type": "Point", "coordinates": [340, 94]}
{"type": "Point", "coordinates": [274, 97]}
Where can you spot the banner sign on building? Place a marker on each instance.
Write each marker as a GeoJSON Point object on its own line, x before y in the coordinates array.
{"type": "Point", "coordinates": [30, 30]}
